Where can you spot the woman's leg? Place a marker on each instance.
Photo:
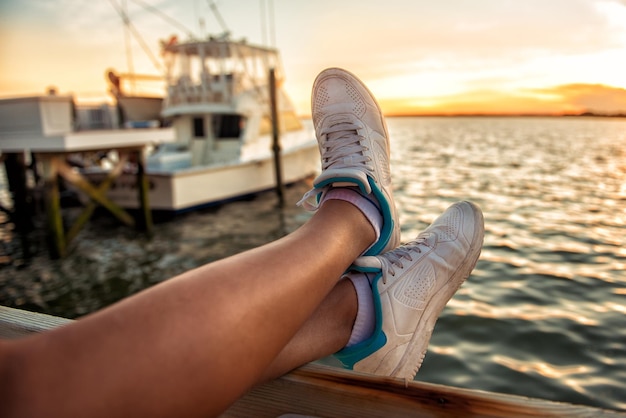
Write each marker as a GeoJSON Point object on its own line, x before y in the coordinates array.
{"type": "Point", "coordinates": [326, 332]}
{"type": "Point", "coordinates": [194, 344]}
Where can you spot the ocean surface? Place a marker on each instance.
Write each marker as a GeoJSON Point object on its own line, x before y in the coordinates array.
{"type": "Point", "coordinates": [542, 315]}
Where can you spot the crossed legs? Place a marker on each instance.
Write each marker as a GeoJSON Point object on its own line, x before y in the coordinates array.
{"type": "Point", "coordinates": [192, 345]}
{"type": "Point", "coordinates": [324, 333]}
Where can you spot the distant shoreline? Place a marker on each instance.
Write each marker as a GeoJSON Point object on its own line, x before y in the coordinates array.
{"type": "Point", "coordinates": [497, 115]}
{"type": "Point", "coordinates": [512, 115]}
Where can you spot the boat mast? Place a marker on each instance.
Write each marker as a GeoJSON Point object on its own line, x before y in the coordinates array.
{"type": "Point", "coordinates": [131, 30]}
{"type": "Point", "coordinates": [272, 27]}
{"type": "Point", "coordinates": [127, 37]}
{"type": "Point", "coordinates": [219, 18]}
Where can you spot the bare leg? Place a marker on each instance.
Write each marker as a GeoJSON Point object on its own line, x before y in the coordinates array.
{"type": "Point", "coordinates": [326, 332]}
{"type": "Point", "coordinates": [192, 345]}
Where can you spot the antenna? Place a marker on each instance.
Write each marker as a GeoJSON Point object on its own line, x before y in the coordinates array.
{"type": "Point", "coordinates": [263, 22]}
{"type": "Point", "coordinates": [127, 34]}
{"type": "Point", "coordinates": [164, 16]}
{"type": "Point", "coordinates": [130, 28]}
{"type": "Point", "coordinates": [202, 27]}
{"type": "Point", "coordinates": [267, 18]}
{"type": "Point", "coordinates": [218, 16]}
{"type": "Point", "coordinates": [271, 23]}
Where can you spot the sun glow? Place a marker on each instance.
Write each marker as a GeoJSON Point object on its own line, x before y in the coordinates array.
{"type": "Point", "coordinates": [419, 58]}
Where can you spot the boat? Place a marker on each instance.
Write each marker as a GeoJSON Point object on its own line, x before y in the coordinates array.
{"type": "Point", "coordinates": [135, 110]}
{"type": "Point", "coordinates": [218, 102]}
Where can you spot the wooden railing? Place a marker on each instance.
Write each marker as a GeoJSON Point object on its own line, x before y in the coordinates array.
{"type": "Point", "coordinates": [315, 390]}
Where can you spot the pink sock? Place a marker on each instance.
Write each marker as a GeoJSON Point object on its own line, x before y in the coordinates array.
{"type": "Point", "coordinates": [365, 205]}
{"type": "Point", "coordinates": [365, 315]}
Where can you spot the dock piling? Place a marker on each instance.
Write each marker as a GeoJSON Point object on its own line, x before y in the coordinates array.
{"type": "Point", "coordinates": [20, 215]}
{"type": "Point", "coordinates": [276, 138]}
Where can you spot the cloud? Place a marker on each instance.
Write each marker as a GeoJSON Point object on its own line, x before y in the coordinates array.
{"type": "Point", "coordinates": [454, 32]}
{"type": "Point", "coordinates": [596, 98]}
{"type": "Point", "coordinates": [558, 100]}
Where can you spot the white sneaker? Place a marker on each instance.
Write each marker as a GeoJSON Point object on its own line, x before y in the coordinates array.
{"type": "Point", "coordinates": [354, 147]}
{"type": "Point", "coordinates": [411, 286]}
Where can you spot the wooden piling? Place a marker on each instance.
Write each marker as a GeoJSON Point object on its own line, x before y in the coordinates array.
{"type": "Point", "coordinates": [143, 187]}
{"type": "Point", "coordinates": [55, 165]}
{"type": "Point", "coordinates": [20, 215]}
{"type": "Point", "coordinates": [54, 225]}
{"type": "Point", "coordinates": [276, 139]}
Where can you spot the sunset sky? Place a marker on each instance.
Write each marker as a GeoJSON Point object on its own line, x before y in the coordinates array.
{"type": "Point", "coordinates": [425, 57]}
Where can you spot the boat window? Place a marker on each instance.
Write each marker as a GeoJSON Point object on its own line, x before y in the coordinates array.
{"type": "Point", "coordinates": [198, 127]}
{"type": "Point", "coordinates": [227, 126]}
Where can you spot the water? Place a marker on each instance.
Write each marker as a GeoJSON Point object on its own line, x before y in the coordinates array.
{"type": "Point", "coordinates": [543, 313]}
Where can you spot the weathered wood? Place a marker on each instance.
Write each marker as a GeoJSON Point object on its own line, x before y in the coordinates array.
{"type": "Point", "coordinates": [15, 167]}
{"type": "Point", "coordinates": [56, 231]}
{"type": "Point", "coordinates": [143, 188]}
{"type": "Point", "coordinates": [96, 194]}
{"type": "Point", "coordinates": [15, 323]}
{"type": "Point", "coordinates": [322, 391]}
{"type": "Point", "coordinates": [54, 164]}
{"type": "Point", "coordinates": [91, 206]}
{"type": "Point", "coordinates": [276, 149]}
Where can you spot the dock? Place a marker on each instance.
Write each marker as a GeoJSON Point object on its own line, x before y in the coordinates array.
{"type": "Point", "coordinates": [316, 390]}
{"type": "Point", "coordinates": [44, 130]}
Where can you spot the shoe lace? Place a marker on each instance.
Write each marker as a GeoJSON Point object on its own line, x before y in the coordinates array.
{"type": "Point", "coordinates": [344, 146]}
{"type": "Point", "coordinates": [406, 252]}
{"type": "Point", "coordinates": [311, 201]}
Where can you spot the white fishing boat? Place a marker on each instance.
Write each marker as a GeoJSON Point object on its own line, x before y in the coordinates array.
{"type": "Point", "coordinates": [218, 104]}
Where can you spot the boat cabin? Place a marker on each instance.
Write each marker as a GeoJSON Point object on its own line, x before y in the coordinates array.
{"type": "Point", "coordinates": [218, 102]}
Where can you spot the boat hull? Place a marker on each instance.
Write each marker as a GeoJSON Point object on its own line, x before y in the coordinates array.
{"type": "Point", "coordinates": [192, 188]}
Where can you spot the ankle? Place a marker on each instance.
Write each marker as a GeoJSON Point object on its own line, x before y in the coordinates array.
{"type": "Point", "coordinates": [368, 208]}
{"type": "Point", "coordinates": [351, 221]}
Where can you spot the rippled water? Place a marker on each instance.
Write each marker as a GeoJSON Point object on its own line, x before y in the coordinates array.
{"type": "Point", "coordinates": [544, 312]}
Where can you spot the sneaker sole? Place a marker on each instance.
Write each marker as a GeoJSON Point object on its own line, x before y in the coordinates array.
{"type": "Point", "coordinates": [412, 359]}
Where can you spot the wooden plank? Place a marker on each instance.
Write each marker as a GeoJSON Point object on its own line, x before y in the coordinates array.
{"type": "Point", "coordinates": [321, 391]}
{"type": "Point", "coordinates": [15, 323]}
